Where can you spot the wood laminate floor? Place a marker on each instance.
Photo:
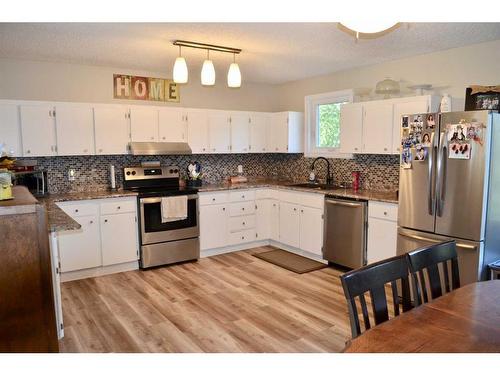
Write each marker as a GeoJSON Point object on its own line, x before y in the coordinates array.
{"type": "Point", "coordinates": [227, 303]}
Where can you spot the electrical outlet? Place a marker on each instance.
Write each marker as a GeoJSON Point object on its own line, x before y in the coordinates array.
{"type": "Point", "coordinates": [71, 174]}
{"type": "Point", "coordinates": [240, 169]}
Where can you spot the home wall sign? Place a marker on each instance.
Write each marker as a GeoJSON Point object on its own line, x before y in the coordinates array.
{"type": "Point", "coordinates": [145, 88]}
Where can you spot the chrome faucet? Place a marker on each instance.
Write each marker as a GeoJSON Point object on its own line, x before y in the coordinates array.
{"type": "Point", "coordinates": [329, 178]}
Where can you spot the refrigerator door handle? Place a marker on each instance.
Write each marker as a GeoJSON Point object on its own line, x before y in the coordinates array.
{"type": "Point", "coordinates": [432, 240]}
{"type": "Point", "coordinates": [431, 192]}
{"type": "Point", "coordinates": [441, 171]}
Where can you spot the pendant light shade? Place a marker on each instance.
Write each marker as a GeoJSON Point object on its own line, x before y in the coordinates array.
{"type": "Point", "coordinates": [234, 75]}
{"type": "Point", "coordinates": [208, 72]}
{"type": "Point", "coordinates": [180, 69]}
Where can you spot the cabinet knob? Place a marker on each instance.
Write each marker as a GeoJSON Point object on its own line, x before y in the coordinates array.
{"type": "Point", "coordinates": [28, 151]}
{"type": "Point", "coordinates": [242, 237]}
{"type": "Point", "coordinates": [76, 210]}
{"type": "Point", "coordinates": [385, 148]}
{"type": "Point", "coordinates": [295, 209]}
{"type": "Point", "coordinates": [213, 149]}
{"type": "Point", "coordinates": [118, 207]}
{"type": "Point", "coordinates": [223, 208]}
{"type": "Point", "coordinates": [105, 220]}
{"type": "Point", "coordinates": [91, 222]}
{"type": "Point", "coordinates": [100, 150]}
{"type": "Point", "coordinates": [276, 148]}
{"type": "Point", "coordinates": [385, 213]}
{"type": "Point", "coordinates": [242, 208]}
{"type": "Point", "coordinates": [243, 196]}
{"type": "Point", "coordinates": [243, 223]}
{"type": "Point", "coordinates": [355, 148]}
{"type": "Point", "coordinates": [85, 150]}
{"type": "Point", "coordinates": [203, 148]}
{"type": "Point", "coordinates": [213, 199]}
{"type": "Point", "coordinates": [263, 149]}
{"type": "Point", "coordinates": [302, 211]}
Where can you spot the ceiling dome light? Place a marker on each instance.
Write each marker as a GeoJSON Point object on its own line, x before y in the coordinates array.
{"type": "Point", "coordinates": [208, 72]}
{"type": "Point", "coordinates": [234, 74]}
{"type": "Point", "coordinates": [180, 69]}
{"type": "Point", "coordinates": [368, 29]}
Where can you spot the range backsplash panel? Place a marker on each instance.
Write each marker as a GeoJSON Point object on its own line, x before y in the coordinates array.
{"type": "Point", "coordinates": [379, 172]}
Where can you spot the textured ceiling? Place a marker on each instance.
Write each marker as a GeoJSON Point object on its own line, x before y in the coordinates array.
{"type": "Point", "coordinates": [272, 52]}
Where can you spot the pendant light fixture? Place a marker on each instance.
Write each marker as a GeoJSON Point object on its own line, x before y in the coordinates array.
{"type": "Point", "coordinates": [234, 74]}
{"type": "Point", "coordinates": [180, 69]}
{"type": "Point", "coordinates": [208, 71]}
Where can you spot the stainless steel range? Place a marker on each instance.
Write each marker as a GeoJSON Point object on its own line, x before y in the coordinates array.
{"type": "Point", "coordinates": [163, 242]}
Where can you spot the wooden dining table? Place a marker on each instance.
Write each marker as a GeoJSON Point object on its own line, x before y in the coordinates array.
{"type": "Point", "coordinates": [464, 320]}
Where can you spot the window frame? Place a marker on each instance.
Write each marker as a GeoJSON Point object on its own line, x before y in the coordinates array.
{"type": "Point", "coordinates": [311, 129]}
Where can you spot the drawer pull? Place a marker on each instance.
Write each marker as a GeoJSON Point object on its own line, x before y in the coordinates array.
{"type": "Point", "coordinates": [213, 199]}
{"type": "Point", "coordinates": [118, 207]}
{"type": "Point", "coordinates": [242, 208]}
{"type": "Point", "coordinates": [91, 222]}
{"type": "Point", "coordinates": [385, 213]}
{"type": "Point", "coordinates": [105, 220]}
{"type": "Point", "coordinates": [223, 208]}
{"type": "Point", "coordinates": [76, 210]}
{"type": "Point", "coordinates": [243, 223]}
{"type": "Point", "coordinates": [242, 237]}
{"type": "Point", "coordinates": [243, 196]}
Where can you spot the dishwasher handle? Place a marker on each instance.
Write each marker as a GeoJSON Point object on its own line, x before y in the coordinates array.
{"type": "Point", "coordinates": [343, 203]}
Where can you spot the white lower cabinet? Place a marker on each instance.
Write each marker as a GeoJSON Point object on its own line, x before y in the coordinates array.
{"type": "Point", "coordinates": [263, 219]}
{"type": "Point", "coordinates": [289, 224]}
{"type": "Point", "coordinates": [311, 230]}
{"type": "Point", "coordinates": [213, 226]}
{"type": "Point", "coordinates": [79, 249]}
{"type": "Point", "coordinates": [274, 227]}
{"type": "Point", "coordinates": [382, 231]}
{"type": "Point", "coordinates": [119, 248]}
{"type": "Point", "coordinates": [104, 239]}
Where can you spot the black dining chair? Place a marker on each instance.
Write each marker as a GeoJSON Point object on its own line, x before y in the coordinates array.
{"type": "Point", "coordinates": [431, 259]}
{"type": "Point", "coordinates": [373, 279]}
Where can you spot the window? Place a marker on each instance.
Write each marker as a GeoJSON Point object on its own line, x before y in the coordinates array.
{"type": "Point", "coordinates": [328, 125]}
{"type": "Point", "coordinates": [323, 123]}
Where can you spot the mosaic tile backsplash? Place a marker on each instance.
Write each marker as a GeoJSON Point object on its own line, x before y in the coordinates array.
{"type": "Point", "coordinates": [378, 172]}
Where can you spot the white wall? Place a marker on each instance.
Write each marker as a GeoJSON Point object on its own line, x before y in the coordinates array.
{"type": "Point", "coordinates": [449, 71]}
{"type": "Point", "coordinates": [37, 80]}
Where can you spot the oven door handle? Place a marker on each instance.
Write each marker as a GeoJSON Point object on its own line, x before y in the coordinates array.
{"type": "Point", "coordinates": [158, 200]}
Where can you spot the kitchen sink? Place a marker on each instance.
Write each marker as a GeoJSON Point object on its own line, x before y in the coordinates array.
{"type": "Point", "coordinates": [317, 186]}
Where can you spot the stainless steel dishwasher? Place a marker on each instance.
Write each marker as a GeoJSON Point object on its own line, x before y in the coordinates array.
{"type": "Point", "coordinates": [345, 227]}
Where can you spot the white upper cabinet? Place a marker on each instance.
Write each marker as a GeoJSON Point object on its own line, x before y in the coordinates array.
{"type": "Point", "coordinates": [197, 131]}
{"type": "Point", "coordinates": [240, 132]}
{"type": "Point", "coordinates": [351, 131]}
{"type": "Point", "coordinates": [172, 125]}
{"type": "Point", "coordinates": [259, 125]}
{"type": "Point", "coordinates": [10, 131]}
{"type": "Point", "coordinates": [278, 132]}
{"type": "Point", "coordinates": [377, 127]}
{"type": "Point", "coordinates": [413, 105]}
{"type": "Point", "coordinates": [38, 129]}
{"type": "Point", "coordinates": [219, 132]}
{"type": "Point", "coordinates": [112, 130]}
{"type": "Point", "coordinates": [144, 124]}
{"type": "Point", "coordinates": [75, 129]}
{"type": "Point", "coordinates": [286, 132]}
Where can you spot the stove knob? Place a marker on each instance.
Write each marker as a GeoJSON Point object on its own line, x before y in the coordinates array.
{"type": "Point", "coordinates": [171, 171]}
{"type": "Point", "coordinates": [133, 173]}
{"type": "Point", "coordinates": [128, 173]}
{"type": "Point", "coordinates": [176, 171]}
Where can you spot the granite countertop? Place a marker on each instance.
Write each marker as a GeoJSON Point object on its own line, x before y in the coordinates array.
{"type": "Point", "coordinates": [59, 220]}
{"type": "Point", "coordinates": [372, 195]}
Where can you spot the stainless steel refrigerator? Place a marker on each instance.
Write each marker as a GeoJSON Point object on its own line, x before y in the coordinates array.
{"type": "Point", "coordinates": [449, 186]}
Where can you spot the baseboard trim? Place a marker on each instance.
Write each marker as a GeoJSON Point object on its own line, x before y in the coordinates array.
{"type": "Point", "coordinates": [229, 249]}
{"type": "Point", "coordinates": [250, 245]}
{"type": "Point", "coordinates": [99, 271]}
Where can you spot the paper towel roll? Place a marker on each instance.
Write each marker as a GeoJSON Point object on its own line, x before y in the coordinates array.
{"type": "Point", "coordinates": [112, 176]}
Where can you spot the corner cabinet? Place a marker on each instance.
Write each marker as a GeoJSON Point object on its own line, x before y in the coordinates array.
{"type": "Point", "coordinates": [373, 127]}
